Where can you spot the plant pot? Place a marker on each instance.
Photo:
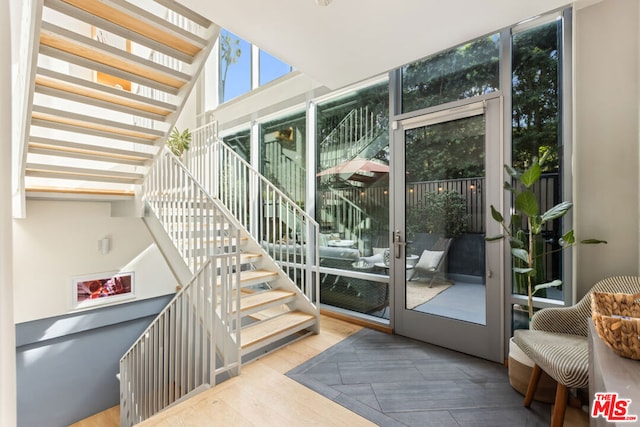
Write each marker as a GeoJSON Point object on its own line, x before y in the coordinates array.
{"type": "Point", "coordinates": [520, 367]}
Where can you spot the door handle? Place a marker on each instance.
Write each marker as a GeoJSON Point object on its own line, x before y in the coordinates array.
{"type": "Point", "coordinates": [398, 244]}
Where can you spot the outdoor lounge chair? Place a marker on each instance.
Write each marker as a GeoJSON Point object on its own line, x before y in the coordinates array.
{"type": "Point", "coordinates": [432, 261]}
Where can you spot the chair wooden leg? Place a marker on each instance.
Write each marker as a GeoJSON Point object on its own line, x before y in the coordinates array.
{"type": "Point", "coordinates": [533, 385]}
{"type": "Point", "coordinates": [560, 405]}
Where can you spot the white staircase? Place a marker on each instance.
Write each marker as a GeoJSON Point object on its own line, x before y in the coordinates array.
{"type": "Point", "coordinates": [104, 86]}
{"type": "Point", "coordinates": [237, 304]}
{"type": "Point", "coordinates": [108, 81]}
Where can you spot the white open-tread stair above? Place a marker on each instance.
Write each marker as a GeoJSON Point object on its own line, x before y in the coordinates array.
{"type": "Point", "coordinates": [110, 79]}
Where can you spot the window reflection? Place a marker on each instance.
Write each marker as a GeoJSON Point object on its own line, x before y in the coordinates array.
{"type": "Point", "coordinates": [463, 72]}
{"type": "Point", "coordinates": [283, 147]}
{"type": "Point", "coordinates": [240, 142]}
{"type": "Point", "coordinates": [352, 199]}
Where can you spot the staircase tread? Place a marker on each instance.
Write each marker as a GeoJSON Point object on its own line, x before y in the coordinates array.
{"type": "Point", "coordinates": [81, 191]}
{"type": "Point", "coordinates": [265, 329]}
{"type": "Point", "coordinates": [245, 258]}
{"type": "Point", "coordinates": [256, 274]}
{"type": "Point", "coordinates": [143, 25]}
{"type": "Point", "coordinates": [83, 47]}
{"type": "Point", "coordinates": [83, 120]}
{"type": "Point", "coordinates": [53, 78]}
{"type": "Point", "coordinates": [257, 299]}
{"type": "Point", "coordinates": [94, 94]}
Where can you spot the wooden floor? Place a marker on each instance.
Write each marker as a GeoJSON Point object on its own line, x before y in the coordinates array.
{"type": "Point", "coordinates": [263, 396]}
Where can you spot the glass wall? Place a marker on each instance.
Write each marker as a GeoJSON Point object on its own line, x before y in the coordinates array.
{"type": "Point", "coordinates": [536, 131]}
{"type": "Point", "coordinates": [352, 198]}
{"type": "Point", "coordinates": [463, 72]}
{"type": "Point", "coordinates": [240, 142]}
{"type": "Point", "coordinates": [352, 150]}
{"type": "Point", "coordinates": [283, 146]}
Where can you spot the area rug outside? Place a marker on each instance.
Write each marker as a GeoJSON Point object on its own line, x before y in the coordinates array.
{"type": "Point", "coordinates": [419, 292]}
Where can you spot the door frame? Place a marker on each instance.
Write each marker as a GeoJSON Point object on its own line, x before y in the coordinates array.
{"type": "Point", "coordinates": [486, 341]}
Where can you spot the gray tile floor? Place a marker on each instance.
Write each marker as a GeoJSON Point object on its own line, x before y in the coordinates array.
{"type": "Point", "coordinates": [396, 381]}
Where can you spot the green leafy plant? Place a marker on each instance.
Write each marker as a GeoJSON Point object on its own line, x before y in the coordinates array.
{"type": "Point", "coordinates": [525, 238]}
{"type": "Point", "coordinates": [178, 141]}
{"type": "Point", "coordinates": [442, 212]}
{"type": "Point", "coordinates": [446, 213]}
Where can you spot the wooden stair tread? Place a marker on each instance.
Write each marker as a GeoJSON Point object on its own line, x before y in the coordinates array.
{"type": "Point", "coordinates": [253, 275]}
{"type": "Point", "coordinates": [129, 21]}
{"type": "Point", "coordinates": [245, 258]}
{"type": "Point", "coordinates": [87, 92]}
{"type": "Point", "coordinates": [81, 191]}
{"type": "Point", "coordinates": [265, 329]}
{"type": "Point", "coordinates": [50, 36]}
{"type": "Point", "coordinates": [257, 299]}
{"type": "Point", "coordinates": [250, 277]}
{"type": "Point", "coordinates": [46, 120]}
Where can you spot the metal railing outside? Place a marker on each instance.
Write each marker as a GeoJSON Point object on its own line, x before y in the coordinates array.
{"type": "Point", "coordinates": [200, 328]}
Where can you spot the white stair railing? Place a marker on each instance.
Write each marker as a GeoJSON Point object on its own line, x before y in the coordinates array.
{"type": "Point", "coordinates": [180, 351]}
{"type": "Point", "coordinates": [285, 231]}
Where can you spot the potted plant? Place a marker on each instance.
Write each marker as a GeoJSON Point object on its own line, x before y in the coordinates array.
{"type": "Point", "coordinates": [524, 233]}
{"type": "Point", "coordinates": [178, 141]}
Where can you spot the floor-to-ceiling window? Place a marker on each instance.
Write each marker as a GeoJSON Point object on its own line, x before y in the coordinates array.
{"type": "Point", "coordinates": [283, 154]}
{"type": "Point", "coordinates": [352, 198]}
{"type": "Point", "coordinates": [240, 142]}
{"type": "Point", "coordinates": [536, 130]}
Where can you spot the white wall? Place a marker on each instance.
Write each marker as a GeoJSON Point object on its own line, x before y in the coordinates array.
{"type": "Point", "coordinates": [7, 329]}
{"type": "Point", "coordinates": [606, 134]}
{"type": "Point", "coordinates": [59, 240]}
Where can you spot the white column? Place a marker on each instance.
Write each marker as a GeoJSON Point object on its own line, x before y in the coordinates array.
{"type": "Point", "coordinates": [7, 328]}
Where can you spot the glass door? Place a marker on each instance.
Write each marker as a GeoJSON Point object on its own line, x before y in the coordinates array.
{"type": "Point", "coordinates": [449, 173]}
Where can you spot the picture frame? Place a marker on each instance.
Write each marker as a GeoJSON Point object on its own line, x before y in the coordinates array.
{"type": "Point", "coordinates": [102, 288]}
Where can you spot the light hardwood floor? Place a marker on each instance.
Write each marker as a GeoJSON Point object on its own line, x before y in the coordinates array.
{"type": "Point", "coordinates": [262, 395]}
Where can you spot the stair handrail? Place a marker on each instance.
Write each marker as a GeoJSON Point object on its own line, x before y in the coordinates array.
{"type": "Point", "coordinates": [285, 231]}
{"type": "Point", "coordinates": [176, 355]}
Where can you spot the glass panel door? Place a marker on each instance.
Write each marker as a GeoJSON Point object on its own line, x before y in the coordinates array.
{"type": "Point", "coordinates": [445, 292]}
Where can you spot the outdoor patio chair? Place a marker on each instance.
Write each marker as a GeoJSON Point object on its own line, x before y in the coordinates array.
{"type": "Point", "coordinates": [432, 261]}
{"type": "Point", "coordinates": [557, 343]}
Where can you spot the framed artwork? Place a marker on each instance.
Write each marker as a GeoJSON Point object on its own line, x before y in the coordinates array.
{"type": "Point", "coordinates": [102, 288]}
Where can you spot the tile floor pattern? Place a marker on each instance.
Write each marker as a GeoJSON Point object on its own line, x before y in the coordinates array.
{"type": "Point", "coordinates": [396, 381]}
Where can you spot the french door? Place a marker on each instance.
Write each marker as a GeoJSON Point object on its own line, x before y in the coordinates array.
{"type": "Point", "coordinates": [446, 277]}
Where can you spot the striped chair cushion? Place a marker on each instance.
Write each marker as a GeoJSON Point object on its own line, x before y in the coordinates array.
{"type": "Point", "coordinates": [557, 339]}
{"type": "Point", "coordinates": [564, 357]}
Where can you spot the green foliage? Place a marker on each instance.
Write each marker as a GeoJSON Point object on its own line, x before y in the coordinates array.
{"type": "Point", "coordinates": [525, 237]}
{"type": "Point", "coordinates": [536, 95]}
{"type": "Point", "coordinates": [179, 141]}
{"type": "Point", "coordinates": [444, 212]}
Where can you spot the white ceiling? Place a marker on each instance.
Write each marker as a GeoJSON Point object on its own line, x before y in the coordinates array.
{"type": "Point", "coordinates": [351, 40]}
